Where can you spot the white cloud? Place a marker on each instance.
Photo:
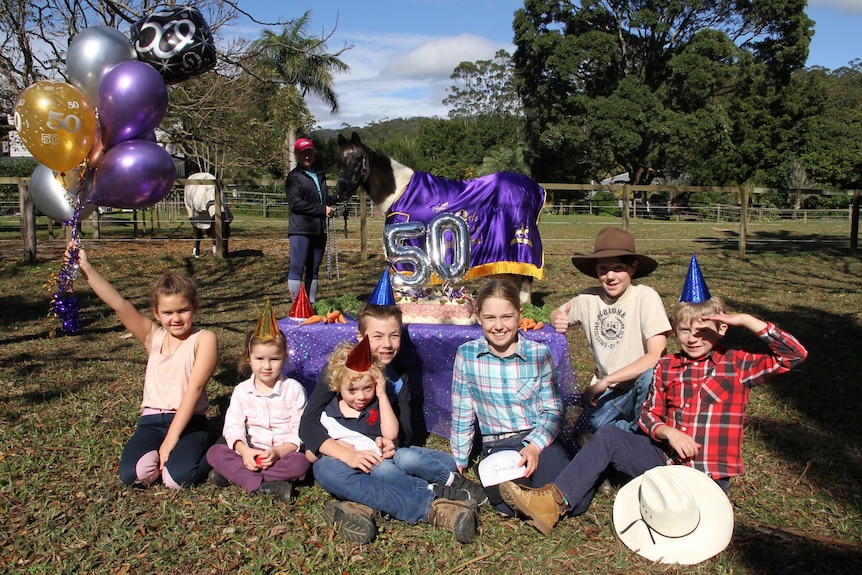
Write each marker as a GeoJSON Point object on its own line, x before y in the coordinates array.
{"type": "Point", "coordinates": [847, 5]}
{"type": "Point", "coordinates": [438, 57]}
{"type": "Point", "coordinates": [399, 76]}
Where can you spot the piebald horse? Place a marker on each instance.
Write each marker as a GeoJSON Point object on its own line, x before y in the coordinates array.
{"type": "Point", "coordinates": [501, 210]}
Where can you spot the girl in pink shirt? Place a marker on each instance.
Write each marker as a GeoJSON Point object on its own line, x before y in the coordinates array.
{"type": "Point", "coordinates": [261, 428]}
{"type": "Point", "coordinates": [170, 440]}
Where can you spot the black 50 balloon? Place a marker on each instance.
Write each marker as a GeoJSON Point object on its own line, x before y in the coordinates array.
{"type": "Point", "coordinates": [175, 41]}
{"type": "Point", "coordinates": [438, 244]}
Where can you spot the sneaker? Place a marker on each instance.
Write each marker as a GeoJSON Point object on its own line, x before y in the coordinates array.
{"type": "Point", "coordinates": [282, 490]}
{"type": "Point", "coordinates": [217, 479]}
{"type": "Point", "coordinates": [459, 517]}
{"type": "Point", "coordinates": [357, 522]}
{"type": "Point", "coordinates": [450, 492]}
{"type": "Point", "coordinates": [544, 506]}
{"type": "Point", "coordinates": [474, 489]}
{"type": "Point", "coordinates": [196, 253]}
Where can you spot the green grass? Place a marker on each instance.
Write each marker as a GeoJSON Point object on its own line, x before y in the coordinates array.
{"type": "Point", "coordinates": [69, 403]}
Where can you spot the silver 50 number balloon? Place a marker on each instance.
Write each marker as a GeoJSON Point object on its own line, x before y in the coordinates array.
{"type": "Point", "coordinates": [437, 245]}
{"type": "Point", "coordinates": [399, 253]}
{"type": "Point", "coordinates": [394, 238]}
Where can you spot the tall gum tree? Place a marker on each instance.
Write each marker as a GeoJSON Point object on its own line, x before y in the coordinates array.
{"type": "Point", "coordinates": [617, 85]}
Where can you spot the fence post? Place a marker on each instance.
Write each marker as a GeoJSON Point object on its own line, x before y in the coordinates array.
{"type": "Point", "coordinates": [28, 220]}
{"type": "Point", "coordinates": [218, 223]}
{"type": "Point", "coordinates": [743, 219]}
{"type": "Point", "coordinates": [854, 223]}
{"type": "Point", "coordinates": [625, 206]}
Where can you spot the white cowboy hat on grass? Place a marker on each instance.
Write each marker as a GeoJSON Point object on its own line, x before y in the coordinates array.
{"type": "Point", "coordinates": [673, 514]}
{"type": "Point", "coordinates": [500, 466]}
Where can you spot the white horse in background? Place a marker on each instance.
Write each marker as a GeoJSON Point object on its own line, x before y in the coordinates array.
{"type": "Point", "coordinates": [200, 204]}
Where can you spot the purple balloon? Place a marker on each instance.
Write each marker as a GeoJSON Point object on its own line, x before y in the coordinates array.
{"type": "Point", "coordinates": [133, 99]}
{"type": "Point", "coordinates": [134, 174]}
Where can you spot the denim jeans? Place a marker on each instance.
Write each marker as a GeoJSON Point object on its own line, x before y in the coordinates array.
{"type": "Point", "coordinates": [622, 407]}
{"type": "Point", "coordinates": [429, 464]}
{"type": "Point", "coordinates": [631, 453]}
{"type": "Point", "coordinates": [386, 488]}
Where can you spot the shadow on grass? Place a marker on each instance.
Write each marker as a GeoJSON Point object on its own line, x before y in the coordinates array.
{"type": "Point", "coordinates": [782, 242]}
{"type": "Point", "coordinates": [768, 552]}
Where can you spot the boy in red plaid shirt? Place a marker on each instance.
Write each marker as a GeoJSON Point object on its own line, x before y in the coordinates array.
{"type": "Point", "coordinates": [693, 415]}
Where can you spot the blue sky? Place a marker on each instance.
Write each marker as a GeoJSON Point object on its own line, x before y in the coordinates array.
{"type": "Point", "coordinates": [405, 50]}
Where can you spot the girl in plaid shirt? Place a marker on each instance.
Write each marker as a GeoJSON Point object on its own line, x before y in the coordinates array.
{"type": "Point", "coordinates": [509, 385]}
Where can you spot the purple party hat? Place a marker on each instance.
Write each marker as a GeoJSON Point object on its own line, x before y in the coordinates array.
{"type": "Point", "coordinates": [382, 294]}
{"type": "Point", "coordinates": [694, 290]}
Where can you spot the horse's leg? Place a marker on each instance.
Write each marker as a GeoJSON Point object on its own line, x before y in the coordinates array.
{"type": "Point", "coordinates": [525, 288]}
{"type": "Point", "coordinates": [198, 235]}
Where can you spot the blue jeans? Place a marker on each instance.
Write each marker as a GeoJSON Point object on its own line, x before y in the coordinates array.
{"type": "Point", "coordinates": [622, 407]}
{"type": "Point", "coordinates": [631, 453]}
{"type": "Point", "coordinates": [306, 254]}
{"type": "Point", "coordinates": [386, 488]}
{"type": "Point", "coordinates": [187, 463]}
{"type": "Point", "coordinates": [429, 464]}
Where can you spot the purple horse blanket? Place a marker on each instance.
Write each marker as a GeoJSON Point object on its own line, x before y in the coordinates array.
{"type": "Point", "coordinates": [502, 213]}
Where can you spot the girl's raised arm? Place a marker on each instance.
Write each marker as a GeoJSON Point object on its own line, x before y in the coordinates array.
{"type": "Point", "coordinates": [141, 327]}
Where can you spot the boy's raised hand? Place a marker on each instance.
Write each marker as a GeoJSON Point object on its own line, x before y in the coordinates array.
{"type": "Point", "coordinates": [560, 318]}
{"type": "Point", "coordinates": [738, 319]}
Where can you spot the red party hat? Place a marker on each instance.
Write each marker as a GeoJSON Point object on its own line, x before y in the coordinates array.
{"type": "Point", "coordinates": [301, 308]}
{"type": "Point", "coordinates": [359, 359]}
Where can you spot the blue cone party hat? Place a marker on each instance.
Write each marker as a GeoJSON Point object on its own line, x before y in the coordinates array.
{"type": "Point", "coordinates": [382, 294]}
{"type": "Point", "coordinates": [694, 290]}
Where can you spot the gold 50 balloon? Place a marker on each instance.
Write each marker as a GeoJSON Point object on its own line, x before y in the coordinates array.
{"type": "Point", "coordinates": [56, 123]}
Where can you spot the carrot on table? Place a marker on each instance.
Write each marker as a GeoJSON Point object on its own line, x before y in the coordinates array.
{"type": "Point", "coordinates": [539, 325]}
{"type": "Point", "coordinates": [312, 319]}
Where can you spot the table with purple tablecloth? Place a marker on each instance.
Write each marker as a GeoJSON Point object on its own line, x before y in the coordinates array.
{"type": "Point", "coordinates": [428, 354]}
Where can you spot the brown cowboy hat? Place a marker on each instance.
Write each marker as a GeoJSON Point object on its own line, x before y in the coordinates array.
{"type": "Point", "coordinates": [614, 242]}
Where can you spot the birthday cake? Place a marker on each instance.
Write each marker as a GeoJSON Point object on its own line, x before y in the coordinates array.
{"type": "Point", "coordinates": [436, 305]}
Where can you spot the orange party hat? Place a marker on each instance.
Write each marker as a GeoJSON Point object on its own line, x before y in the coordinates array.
{"type": "Point", "coordinates": [267, 325]}
{"type": "Point", "coordinates": [301, 308]}
{"type": "Point", "coordinates": [359, 359]}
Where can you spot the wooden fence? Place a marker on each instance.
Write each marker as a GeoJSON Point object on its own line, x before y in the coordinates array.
{"type": "Point", "coordinates": [558, 194]}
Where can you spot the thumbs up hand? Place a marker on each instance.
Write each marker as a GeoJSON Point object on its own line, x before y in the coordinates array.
{"type": "Point", "coordinates": [560, 318]}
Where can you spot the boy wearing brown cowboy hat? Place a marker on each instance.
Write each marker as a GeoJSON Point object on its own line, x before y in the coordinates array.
{"type": "Point", "coordinates": [625, 324]}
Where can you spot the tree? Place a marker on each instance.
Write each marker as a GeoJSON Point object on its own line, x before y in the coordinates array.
{"type": "Point", "coordinates": [631, 85]}
{"type": "Point", "coordinates": [484, 87]}
{"type": "Point", "coordinates": [295, 60]}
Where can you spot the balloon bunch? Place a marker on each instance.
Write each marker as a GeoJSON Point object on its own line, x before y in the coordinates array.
{"type": "Point", "coordinates": [94, 136]}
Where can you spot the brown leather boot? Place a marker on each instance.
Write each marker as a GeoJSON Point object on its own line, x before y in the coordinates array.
{"type": "Point", "coordinates": [459, 517]}
{"type": "Point", "coordinates": [544, 506]}
{"type": "Point", "coordinates": [357, 522]}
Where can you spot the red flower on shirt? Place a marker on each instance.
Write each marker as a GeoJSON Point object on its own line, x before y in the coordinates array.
{"type": "Point", "coordinates": [373, 416]}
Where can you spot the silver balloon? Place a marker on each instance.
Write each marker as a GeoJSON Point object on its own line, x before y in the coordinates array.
{"type": "Point", "coordinates": [93, 52]}
{"type": "Point", "coordinates": [438, 249]}
{"type": "Point", "coordinates": [54, 193]}
{"type": "Point", "coordinates": [398, 254]}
